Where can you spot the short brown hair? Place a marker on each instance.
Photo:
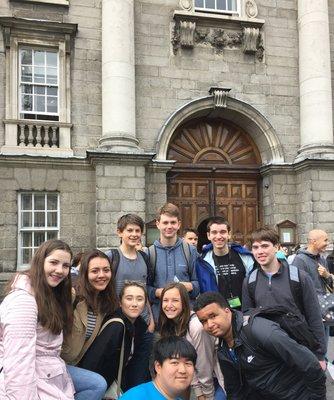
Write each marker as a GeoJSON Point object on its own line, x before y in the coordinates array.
{"type": "Point", "coordinates": [138, 284]}
{"type": "Point", "coordinates": [170, 209]}
{"type": "Point", "coordinates": [265, 234]}
{"type": "Point", "coordinates": [130, 219]}
{"type": "Point", "coordinates": [218, 221]}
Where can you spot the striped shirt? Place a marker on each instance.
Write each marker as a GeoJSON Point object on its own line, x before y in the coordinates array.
{"type": "Point", "coordinates": [91, 322]}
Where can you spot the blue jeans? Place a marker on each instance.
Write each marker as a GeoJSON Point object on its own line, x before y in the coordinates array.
{"type": "Point", "coordinates": [88, 385]}
{"type": "Point", "coordinates": [219, 391]}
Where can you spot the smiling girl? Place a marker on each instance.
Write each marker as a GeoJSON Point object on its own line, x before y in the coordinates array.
{"type": "Point", "coordinates": [104, 355]}
{"type": "Point", "coordinates": [177, 319]}
{"type": "Point", "coordinates": [33, 316]}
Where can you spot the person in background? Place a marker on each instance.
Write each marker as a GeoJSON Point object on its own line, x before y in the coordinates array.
{"type": "Point", "coordinates": [34, 315]}
{"type": "Point", "coordinates": [176, 319]}
{"type": "Point", "coordinates": [190, 236]}
{"type": "Point", "coordinates": [174, 365]}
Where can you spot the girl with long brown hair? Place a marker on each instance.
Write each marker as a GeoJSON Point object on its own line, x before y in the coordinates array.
{"type": "Point", "coordinates": [177, 319]}
{"type": "Point", "coordinates": [34, 315]}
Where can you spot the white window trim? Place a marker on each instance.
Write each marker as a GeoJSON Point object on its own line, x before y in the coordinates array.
{"type": "Point", "coordinates": [214, 10]}
{"type": "Point", "coordinates": [20, 111]}
{"type": "Point", "coordinates": [46, 34]}
{"type": "Point", "coordinates": [55, 2]}
{"type": "Point", "coordinates": [20, 265]}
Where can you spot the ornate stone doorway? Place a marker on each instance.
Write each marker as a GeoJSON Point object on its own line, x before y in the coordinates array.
{"type": "Point", "coordinates": [216, 173]}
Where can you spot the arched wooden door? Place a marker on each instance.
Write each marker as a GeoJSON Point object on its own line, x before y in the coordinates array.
{"type": "Point", "coordinates": [216, 173]}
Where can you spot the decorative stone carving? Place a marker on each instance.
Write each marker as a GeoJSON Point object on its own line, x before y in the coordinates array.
{"type": "Point", "coordinates": [250, 39]}
{"type": "Point", "coordinates": [219, 96]}
{"type": "Point", "coordinates": [186, 4]}
{"type": "Point", "coordinates": [251, 9]}
{"type": "Point", "coordinates": [187, 29]}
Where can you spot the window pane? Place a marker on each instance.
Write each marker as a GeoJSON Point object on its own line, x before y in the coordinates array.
{"type": "Point", "coordinates": [210, 4]}
{"type": "Point", "coordinates": [52, 219]}
{"type": "Point", "coordinates": [52, 235]}
{"type": "Point", "coordinates": [52, 105]}
{"type": "Point", "coordinates": [39, 75]}
{"type": "Point", "coordinates": [52, 202]}
{"type": "Point", "coordinates": [52, 59]}
{"type": "Point", "coordinates": [39, 238]}
{"type": "Point", "coordinates": [26, 74]}
{"type": "Point", "coordinates": [52, 91]}
{"type": "Point", "coordinates": [39, 202]}
{"type": "Point", "coordinates": [26, 220]}
{"type": "Point", "coordinates": [26, 56]}
{"type": "Point", "coordinates": [221, 4]}
{"type": "Point", "coordinates": [26, 201]}
{"type": "Point", "coordinates": [26, 102]}
{"type": "Point", "coordinates": [26, 256]}
{"type": "Point", "coordinates": [51, 77]}
{"type": "Point", "coordinates": [40, 103]}
{"type": "Point", "coordinates": [39, 57]}
{"type": "Point", "coordinates": [199, 3]}
{"type": "Point", "coordinates": [39, 219]}
{"type": "Point", "coordinates": [26, 239]}
{"type": "Point", "coordinates": [26, 89]}
{"type": "Point", "coordinates": [39, 90]}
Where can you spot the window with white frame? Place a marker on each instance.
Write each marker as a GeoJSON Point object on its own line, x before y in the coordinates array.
{"type": "Point", "coordinates": [223, 6]}
{"type": "Point", "coordinates": [38, 221]}
{"type": "Point", "coordinates": [38, 83]}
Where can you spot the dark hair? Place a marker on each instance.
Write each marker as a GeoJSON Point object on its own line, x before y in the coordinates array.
{"type": "Point", "coordinates": [207, 298]}
{"type": "Point", "coordinates": [186, 230]}
{"type": "Point", "coordinates": [104, 302]}
{"type": "Point", "coordinates": [265, 234]}
{"type": "Point", "coordinates": [218, 221]}
{"type": "Point", "coordinates": [132, 283]}
{"type": "Point", "coordinates": [77, 259]}
{"type": "Point", "coordinates": [130, 219]}
{"type": "Point", "coordinates": [173, 347]}
{"type": "Point", "coordinates": [54, 304]}
{"type": "Point", "coordinates": [179, 325]}
{"type": "Point", "coordinates": [169, 209]}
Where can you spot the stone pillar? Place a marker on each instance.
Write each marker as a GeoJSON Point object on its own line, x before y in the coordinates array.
{"type": "Point", "coordinates": [316, 123]}
{"type": "Point", "coordinates": [118, 77]}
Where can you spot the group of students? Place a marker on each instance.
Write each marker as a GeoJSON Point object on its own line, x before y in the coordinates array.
{"type": "Point", "coordinates": [94, 339]}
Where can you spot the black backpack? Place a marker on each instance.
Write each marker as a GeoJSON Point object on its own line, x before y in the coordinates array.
{"type": "Point", "coordinates": [294, 325]}
{"type": "Point", "coordinates": [114, 258]}
{"type": "Point", "coordinates": [295, 286]}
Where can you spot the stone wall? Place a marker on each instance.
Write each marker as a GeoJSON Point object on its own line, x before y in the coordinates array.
{"type": "Point", "coordinates": [165, 81]}
{"type": "Point", "coordinates": [76, 186]}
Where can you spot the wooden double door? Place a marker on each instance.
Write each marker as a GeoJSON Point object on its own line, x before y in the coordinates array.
{"type": "Point", "coordinates": [200, 198]}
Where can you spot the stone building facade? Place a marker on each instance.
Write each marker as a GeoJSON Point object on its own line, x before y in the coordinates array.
{"type": "Point", "coordinates": [109, 107]}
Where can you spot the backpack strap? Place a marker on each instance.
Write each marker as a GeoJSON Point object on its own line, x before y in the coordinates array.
{"type": "Point", "coordinates": [186, 252]}
{"type": "Point", "coordinates": [114, 260]}
{"type": "Point", "coordinates": [296, 287]}
{"type": "Point", "coordinates": [150, 269]}
{"type": "Point", "coordinates": [152, 254]}
{"type": "Point", "coordinates": [252, 281]}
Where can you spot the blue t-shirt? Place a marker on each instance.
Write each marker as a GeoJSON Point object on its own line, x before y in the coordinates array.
{"type": "Point", "coordinates": [145, 391]}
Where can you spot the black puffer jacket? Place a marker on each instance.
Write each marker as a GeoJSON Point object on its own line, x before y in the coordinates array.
{"type": "Point", "coordinates": [269, 364]}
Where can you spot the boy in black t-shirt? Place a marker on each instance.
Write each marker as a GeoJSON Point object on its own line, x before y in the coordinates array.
{"type": "Point", "coordinates": [229, 263]}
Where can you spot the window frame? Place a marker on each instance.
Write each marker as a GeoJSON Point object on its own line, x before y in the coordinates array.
{"type": "Point", "coordinates": [33, 84]}
{"type": "Point", "coordinates": [32, 229]}
{"type": "Point", "coordinates": [216, 11]}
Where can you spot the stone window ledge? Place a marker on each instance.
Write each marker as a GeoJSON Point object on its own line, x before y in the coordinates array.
{"type": "Point", "coordinates": [218, 30]}
{"type": "Point", "coordinates": [217, 19]}
{"type": "Point", "coordinates": [65, 3]}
